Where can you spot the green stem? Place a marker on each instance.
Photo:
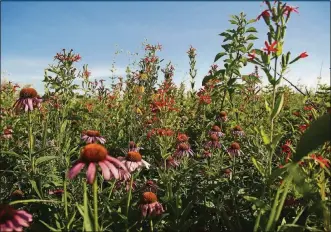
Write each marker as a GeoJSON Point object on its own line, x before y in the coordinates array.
{"type": "Point", "coordinates": [257, 222]}
{"type": "Point", "coordinates": [30, 141]}
{"type": "Point", "coordinates": [65, 197]}
{"type": "Point", "coordinates": [282, 200]}
{"type": "Point", "coordinates": [274, 208]}
{"type": "Point", "coordinates": [128, 204]}
{"type": "Point", "coordinates": [95, 203]}
{"type": "Point", "coordinates": [151, 225]}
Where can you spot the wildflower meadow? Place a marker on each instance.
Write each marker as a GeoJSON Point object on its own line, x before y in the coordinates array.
{"type": "Point", "coordinates": [144, 154]}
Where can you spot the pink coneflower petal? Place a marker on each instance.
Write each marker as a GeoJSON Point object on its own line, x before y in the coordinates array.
{"type": "Point", "coordinates": [25, 215]}
{"type": "Point", "coordinates": [113, 169]}
{"type": "Point", "coordinates": [144, 210]}
{"type": "Point", "coordinates": [105, 170]}
{"type": "Point", "coordinates": [117, 162]}
{"type": "Point", "coordinates": [30, 104]}
{"type": "Point", "coordinates": [91, 173]}
{"type": "Point", "coordinates": [10, 225]}
{"type": "Point", "coordinates": [120, 158]}
{"type": "Point", "coordinates": [76, 169]}
{"type": "Point", "coordinates": [20, 221]}
{"type": "Point", "coordinates": [26, 106]}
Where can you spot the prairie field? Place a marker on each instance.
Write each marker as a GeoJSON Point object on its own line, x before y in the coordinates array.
{"type": "Point", "coordinates": [141, 153]}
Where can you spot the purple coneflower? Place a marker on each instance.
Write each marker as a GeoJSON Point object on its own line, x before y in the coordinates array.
{"type": "Point", "coordinates": [206, 154]}
{"type": "Point", "coordinates": [171, 162]}
{"type": "Point", "coordinates": [92, 136]}
{"type": "Point", "coordinates": [182, 138]}
{"type": "Point", "coordinates": [222, 117]}
{"type": "Point", "coordinates": [8, 133]}
{"type": "Point", "coordinates": [234, 149]}
{"type": "Point", "coordinates": [96, 153]}
{"type": "Point", "coordinates": [57, 192]}
{"type": "Point", "coordinates": [151, 186]}
{"type": "Point", "coordinates": [217, 131]}
{"type": "Point", "coordinates": [12, 219]}
{"type": "Point", "coordinates": [28, 99]}
{"type": "Point", "coordinates": [183, 149]}
{"type": "Point", "coordinates": [237, 130]}
{"type": "Point", "coordinates": [213, 142]}
{"type": "Point", "coordinates": [133, 161]}
{"type": "Point", "coordinates": [149, 205]}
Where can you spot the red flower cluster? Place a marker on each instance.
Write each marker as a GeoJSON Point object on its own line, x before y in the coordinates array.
{"type": "Point", "coordinates": [191, 52]}
{"type": "Point", "coordinates": [320, 160]}
{"type": "Point", "coordinates": [63, 57]}
{"type": "Point", "coordinates": [152, 59]}
{"type": "Point", "coordinates": [160, 132]}
{"type": "Point", "coordinates": [154, 48]}
{"type": "Point", "coordinates": [287, 150]}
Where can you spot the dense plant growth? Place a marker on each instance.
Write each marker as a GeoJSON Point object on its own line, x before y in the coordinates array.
{"type": "Point", "coordinates": [147, 155]}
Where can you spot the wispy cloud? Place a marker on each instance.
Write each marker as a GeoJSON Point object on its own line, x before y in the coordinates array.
{"type": "Point", "coordinates": [30, 70]}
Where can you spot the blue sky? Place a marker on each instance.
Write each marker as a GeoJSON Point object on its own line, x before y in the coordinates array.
{"type": "Point", "coordinates": [33, 32]}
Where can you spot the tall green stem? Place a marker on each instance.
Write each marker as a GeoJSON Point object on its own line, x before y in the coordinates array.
{"type": "Point", "coordinates": [128, 204]}
{"type": "Point", "coordinates": [95, 203]}
{"type": "Point", "coordinates": [65, 197]}
{"type": "Point", "coordinates": [151, 225]}
{"type": "Point", "coordinates": [31, 142]}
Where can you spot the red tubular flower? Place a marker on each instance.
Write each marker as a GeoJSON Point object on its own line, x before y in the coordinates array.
{"type": "Point", "coordinates": [270, 48]}
{"type": "Point", "coordinates": [303, 55]}
{"type": "Point", "coordinates": [252, 55]}
{"type": "Point", "coordinates": [289, 9]}
{"type": "Point", "coordinates": [320, 160]}
{"type": "Point", "coordinates": [264, 14]}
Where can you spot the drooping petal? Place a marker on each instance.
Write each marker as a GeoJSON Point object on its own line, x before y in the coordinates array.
{"type": "Point", "coordinates": [10, 225]}
{"type": "Point", "coordinates": [112, 169]}
{"type": "Point", "coordinates": [75, 170]}
{"type": "Point", "coordinates": [105, 170]}
{"type": "Point", "coordinates": [20, 221]}
{"type": "Point", "coordinates": [25, 215]}
{"type": "Point", "coordinates": [91, 173]}
{"type": "Point", "coordinates": [30, 104]}
{"type": "Point", "coordinates": [116, 162]}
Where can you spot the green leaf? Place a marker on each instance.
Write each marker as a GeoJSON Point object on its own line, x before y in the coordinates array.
{"type": "Point", "coordinates": [48, 226]}
{"type": "Point", "coordinates": [226, 47]}
{"type": "Point", "coordinates": [251, 21]}
{"type": "Point", "coordinates": [270, 78]}
{"type": "Point", "coordinates": [278, 106]}
{"type": "Point", "coordinates": [87, 220]}
{"type": "Point", "coordinates": [258, 166]}
{"type": "Point", "coordinates": [267, 107]}
{"type": "Point", "coordinates": [242, 49]}
{"type": "Point", "coordinates": [233, 21]}
{"type": "Point", "coordinates": [206, 79]}
{"type": "Point", "coordinates": [15, 154]}
{"type": "Point", "coordinates": [231, 81]}
{"type": "Point", "coordinates": [34, 186]}
{"type": "Point", "coordinates": [225, 34]}
{"type": "Point", "coordinates": [249, 46]}
{"type": "Point", "coordinates": [34, 201]}
{"type": "Point", "coordinates": [43, 159]}
{"type": "Point", "coordinates": [219, 55]}
{"type": "Point", "coordinates": [317, 133]}
{"type": "Point", "coordinates": [265, 137]}
{"type": "Point", "coordinates": [275, 140]}
{"type": "Point", "coordinates": [251, 29]}
{"type": "Point", "coordinates": [251, 37]}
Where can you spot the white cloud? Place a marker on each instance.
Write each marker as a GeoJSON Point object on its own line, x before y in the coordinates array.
{"type": "Point", "coordinates": [26, 70]}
